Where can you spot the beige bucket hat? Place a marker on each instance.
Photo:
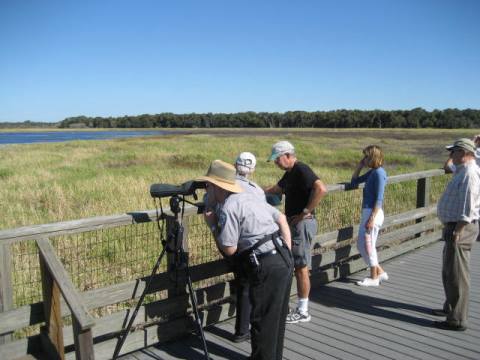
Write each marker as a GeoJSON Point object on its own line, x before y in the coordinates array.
{"type": "Point", "coordinates": [463, 143]}
{"type": "Point", "coordinates": [221, 174]}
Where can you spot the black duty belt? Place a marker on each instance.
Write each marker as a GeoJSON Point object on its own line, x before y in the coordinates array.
{"type": "Point", "coordinates": [454, 223]}
{"type": "Point", "coordinates": [266, 238]}
{"type": "Point", "coordinates": [252, 260]}
{"type": "Point", "coordinates": [267, 253]}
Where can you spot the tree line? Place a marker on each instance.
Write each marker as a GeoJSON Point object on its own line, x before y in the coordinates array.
{"type": "Point", "coordinates": [27, 124]}
{"type": "Point", "coordinates": [415, 118]}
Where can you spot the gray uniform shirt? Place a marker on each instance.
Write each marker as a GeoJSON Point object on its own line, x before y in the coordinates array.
{"type": "Point", "coordinates": [250, 187]}
{"type": "Point", "coordinates": [245, 219]}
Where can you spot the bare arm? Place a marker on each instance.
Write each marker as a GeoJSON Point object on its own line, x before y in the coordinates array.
{"type": "Point", "coordinates": [211, 219]}
{"type": "Point", "coordinates": [274, 189]}
{"type": "Point", "coordinates": [359, 168]}
{"type": "Point", "coordinates": [285, 230]}
{"type": "Point", "coordinates": [318, 192]}
{"type": "Point", "coordinates": [448, 166]}
{"type": "Point", "coordinates": [459, 229]}
{"type": "Point", "coordinates": [227, 250]}
{"type": "Point", "coordinates": [371, 219]}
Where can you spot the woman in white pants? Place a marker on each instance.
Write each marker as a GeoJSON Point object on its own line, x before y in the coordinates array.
{"type": "Point", "coordinates": [372, 213]}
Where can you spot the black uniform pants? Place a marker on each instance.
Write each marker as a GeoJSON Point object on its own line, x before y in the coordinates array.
{"type": "Point", "coordinates": [243, 306]}
{"type": "Point", "coordinates": [269, 294]}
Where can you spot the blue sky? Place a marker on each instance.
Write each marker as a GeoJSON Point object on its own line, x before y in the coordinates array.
{"type": "Point", "coordinates": [113, 58]}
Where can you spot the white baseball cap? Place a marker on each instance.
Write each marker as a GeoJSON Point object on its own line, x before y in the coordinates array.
{"type": "Point", "coordinates": [280, 148]}
{"type": "Point", "coordinates": [245, 162]}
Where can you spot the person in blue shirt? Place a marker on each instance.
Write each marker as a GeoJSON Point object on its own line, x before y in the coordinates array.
{"type": "Point", "coordinates": [372, 213]}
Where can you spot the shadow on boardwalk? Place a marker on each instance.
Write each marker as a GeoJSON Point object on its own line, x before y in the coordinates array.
{"type": "Point", "coordinates": [392, 321]}
{"type": "Point", "coordinates": [349, 299]}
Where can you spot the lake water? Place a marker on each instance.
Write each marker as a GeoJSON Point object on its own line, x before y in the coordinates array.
{"type": "Point", "coordinates": [58, 136]}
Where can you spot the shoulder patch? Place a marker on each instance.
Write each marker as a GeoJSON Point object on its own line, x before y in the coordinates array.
{"type": "Point", "coordinates": [222, 219]}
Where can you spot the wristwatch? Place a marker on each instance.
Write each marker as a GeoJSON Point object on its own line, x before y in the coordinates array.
{"type": "Point", "coordinates": [306, 211]}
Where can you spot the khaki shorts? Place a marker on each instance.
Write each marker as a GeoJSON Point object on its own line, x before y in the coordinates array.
{"type": "Point", "coordinates": [302, 236]}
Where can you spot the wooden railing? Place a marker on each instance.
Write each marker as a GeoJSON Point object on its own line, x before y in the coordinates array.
{"type": "Point", "coordinates": [335, 256]}
{"type": "Point", "coordinates": [55, 280]}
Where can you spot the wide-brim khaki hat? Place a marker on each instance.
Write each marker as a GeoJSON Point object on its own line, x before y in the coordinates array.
{"type": "Point", "coordinates": [463, 143]}
{"type": "Point", "coordinates": [222, 174]}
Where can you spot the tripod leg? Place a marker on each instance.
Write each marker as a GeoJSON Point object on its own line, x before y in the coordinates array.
{"type": "Point", "coordinates": [124, 333]}
{"type": "Point", "coordinates": [193, 298]}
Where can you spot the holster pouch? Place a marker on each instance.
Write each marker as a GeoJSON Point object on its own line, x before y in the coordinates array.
{"type": "Point", "coordinates": [250, 260]}
{"type": "Point", "coordinates": [284, 251]}
{"type": "Point", "coordinates": [253, 260]}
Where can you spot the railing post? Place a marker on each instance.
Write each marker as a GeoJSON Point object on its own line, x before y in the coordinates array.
{"type": "Point", "coordinates": [423, 192]}
{"type": "Point", "coordinates": [423, 197]}
{"type": "Point", "coordinates": [6, 289]}
{"type": "Point", "coordinates": [83, 341]}
{"type": "Point", "coordinates": [53, 329]}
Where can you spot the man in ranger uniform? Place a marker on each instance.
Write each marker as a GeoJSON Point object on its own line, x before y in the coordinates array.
{"type": "Point", "coordinates": [258, 234]}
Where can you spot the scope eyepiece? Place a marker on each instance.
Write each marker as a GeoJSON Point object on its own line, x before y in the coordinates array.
{"type": "Point", "coordinates": [166, 190]}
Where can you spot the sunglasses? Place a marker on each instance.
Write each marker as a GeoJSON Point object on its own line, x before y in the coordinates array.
{"type": "Point", "coordinates": [278, 158]}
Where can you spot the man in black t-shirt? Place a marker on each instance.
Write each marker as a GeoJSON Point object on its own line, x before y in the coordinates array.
{"type": "Point", "coordinates": [303, 190]}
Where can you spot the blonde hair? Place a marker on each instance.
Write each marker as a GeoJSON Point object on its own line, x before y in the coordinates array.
{"type": "Point", "coordinates": [375, 156]}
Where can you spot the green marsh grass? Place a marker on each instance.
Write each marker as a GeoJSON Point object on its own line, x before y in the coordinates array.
{"type": "Point", "coordinates": [44, 183]}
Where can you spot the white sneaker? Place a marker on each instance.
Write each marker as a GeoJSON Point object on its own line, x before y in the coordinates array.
{"type": "Point", "coordinates": [383, 276]}
{"type": "Point", "coordinates": [368, 282]}
{"type": "Point", "coordinates": [295, 316]}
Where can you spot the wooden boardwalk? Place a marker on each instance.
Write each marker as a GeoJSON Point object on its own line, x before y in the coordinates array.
{"type": "Point", "coordinates": [350, 322]}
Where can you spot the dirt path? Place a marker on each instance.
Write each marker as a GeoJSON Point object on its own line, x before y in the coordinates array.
{"type": "Point", "coordinates": [396, 134]}
{"type": "Point", "coordinates": [426, 143]}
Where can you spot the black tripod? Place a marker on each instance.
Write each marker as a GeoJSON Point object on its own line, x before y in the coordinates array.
{"type": "Point", "coordinates": [173, 244]}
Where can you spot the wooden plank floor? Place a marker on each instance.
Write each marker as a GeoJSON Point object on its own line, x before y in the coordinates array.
{"type": "Point", "coordinates": [350, 322]}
